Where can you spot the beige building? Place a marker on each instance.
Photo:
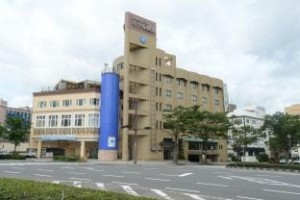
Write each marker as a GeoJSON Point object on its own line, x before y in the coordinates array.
{"type": "Point", "coordinates": [150, 77]}
{"type": "Point", "coordinates": [65, 119]}
{"type": "Point", "coordinates": [293, 110]}
{"type": "Point", "coordinates": [3, 107]}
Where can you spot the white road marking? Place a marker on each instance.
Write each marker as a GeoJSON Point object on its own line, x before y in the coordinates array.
{"type": "Point", "coordinates": [77, 184]}
{"type": "Point", "coordinates": [122, 183]}
{"type": "Point", "coordinates": [109, 175]}
{"type": "Point", "coordinates": [153, 179]}
{"type": "Point", "coordinates": [222, 173]}
{"type": "Point", "coordinates": [76, 173]}
{"type": "Point", "coordinates": [183, 190]}
{"type": "Point", "coordinates": [80, 179]}
{"type": "Point", "coordinates": [267, 175]}
{"type": "Point", "coordinates": [248, 198]}
{"type": "Point", "coordinates": [212, 184]}
{"type": "Point", "coordinates": [18, 168]}
{"type": "Point", "coordinates": [11, 172]}
{"type": "Point", "coordinates": [100, 186]}
{"type": "Point", "coordinates": [43, 175]}
{"type": "Point", "coordinates": [228, 178]}
{"type": "Point", "coordinates": [194, 196]}
{"type": "Point", "coordinates": [46, 170]}
{"type": "Point", "coordinates": [280, 191]}
{"type": "Point", "coordinates": [186, 174]}
{"type": "Point", "coordinates": [129, 190]}
{"type": "Point", "coordinates": [150, 168]}
{"type": "Point", "coordinates": [67, 167]}
{"type": "Point", "coordinates": [162, 194]}
{"type": "Point", "coordinates": [56, 182]}
{"type": "Point", "coordinates": [130, 172]}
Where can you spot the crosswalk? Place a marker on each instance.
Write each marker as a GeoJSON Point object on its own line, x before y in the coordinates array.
{"type": "Point", "coordinates": [135, 190]}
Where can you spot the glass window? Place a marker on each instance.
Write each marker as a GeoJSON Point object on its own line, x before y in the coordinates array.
{"type": "Point", "coordinates": [194, 146]}
{"type": "Point", "coordinates": [205, 88]}
{"type": "Point", "coordinates": [40, 120]}
{"type": "Point", "coordinates": [42, 104]}
{"type": "Point", "coordinates": [216, 90]}
{"type": "Point", "coordinates": [54, 104]}
{"type": "Point", "coordinates": [94, 120]}
{"type": "Point", "coordinates": [181, 82]}
{"type": "Point", "coordinates": [80, 102]}
{"type": "Point", "coordinates": [194, 98]}
{"type": "Point", "coordinates": [94, 101]}
{"type": "Point", "coordinates": [67, 103]}
{"type": "Point", "coordinates": [52, 120]}
{"type": "Point", "coordinates": [168, 107]}
{"type": "Point", "coordinates": [79, 119]}
{"type": "Point", "coordinates": [194, 85]}
{"type": "Point", "coordinates": [204, 100]}
{"type": "Point", "coordinates": [217, 102]}
{"type": "Point", "coordinates": [179, 95]}
{"type": "Point", "coordinates": [168, 93]}
{"type": "Point", "coordinates": [168, 79]}
{"type": "Point", "coordinates": [66, 120]}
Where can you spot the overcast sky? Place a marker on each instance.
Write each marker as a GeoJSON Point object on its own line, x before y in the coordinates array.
{"type": "Point", "coordinates": [252, 45]}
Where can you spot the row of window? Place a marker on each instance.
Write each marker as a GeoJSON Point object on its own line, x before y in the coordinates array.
{"type": "Point", "coordinates": [69, 102]}
{"type": "Point", "coordinates": [248, 121]}
{"type": "Point", "coordinates": [67, 120]}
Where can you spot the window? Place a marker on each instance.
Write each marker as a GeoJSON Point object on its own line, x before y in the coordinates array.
{"type": "Point", "coordinates": [40, 120]}
{"type": "Point", "coordinates": [52, 120]}
{"type": "Point", "coordinates": [94, 120]}
{"type": "Point", "coordinates": [120, 66]}
{"type": "Point", "coordinates": [94, 101]}
{"type": "Point", "coordinates": [42, 104]}
{"type": "Point", "coordinates": [179, 95]}
{"type": "Point", "coordinates": [181, 82]}
{"type": "Point", "coordinates": [67, 103]}
{"type": "Point", "coordinates": [194, 146]}
{"type": "Point", "coordinates": [79, 119]}
{"type": "Point", "coordinates": [66, 120]}
{"type": "Point", "coordinates": [54, 104]}
{"type": "Point", "coordinates": [168, 93]}
{"type": "Point", "coordinates": [194, 98]}
{"type": "Point", "coordinates": [216, 90]}
{"type": "Point", "coordinates": [168, 107]}
{"type": "Point", "coordinates": [168, 79]}
{"type": "Point", "coordinates": [205, 88]}
{"type": "Point", "coordinates": [204, 100]}
{"type": "Point", "coordinates": [217, 102]}
{"type": "Point", "coordinates": [247, 121]}
{"type": "Point", "coordinates": [194, 85]}
{"type": "Point", "coordinates": [80, 102]}
{"type": "Point", "coordinates": [159, 62]}
{"type": "Point", "coordinates": [156, 61]}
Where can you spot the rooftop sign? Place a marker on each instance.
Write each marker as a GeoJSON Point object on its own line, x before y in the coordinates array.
{"type": "Point", "coordinates": [140, 24]}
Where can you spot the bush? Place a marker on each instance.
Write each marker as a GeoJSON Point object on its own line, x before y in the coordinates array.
{"type": "Point", "coordinates": [233, 157]}
{"type": "Point", "coordinates": [12, 157]}
{"type": "Point", "coordinates": [67, 158]}
{"type": "Point", "coordinates": [262, 157]}
{"type": "Point", "coordinates": [265, 166]}
{"type": "Point", "coordinates": [23, 189]}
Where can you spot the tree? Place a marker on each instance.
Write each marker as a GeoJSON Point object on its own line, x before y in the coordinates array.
{"type": "Point", "coordinates": [286, 133]}
{"type": "Point", "coordinates": [15, 130]}
{"type": "Point", "coordinates": [176, 120]}
{"type": "Point", "coordinates": [243, 135]}
{"type": "Point", "coordinates": [207, 125]}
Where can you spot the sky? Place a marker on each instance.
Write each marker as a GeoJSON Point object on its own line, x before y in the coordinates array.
{"type": "Point", "coordinates": [252, 45]}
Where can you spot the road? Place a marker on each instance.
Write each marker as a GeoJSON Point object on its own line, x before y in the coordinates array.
{"type": "Point", "coordinates": [161, 181]}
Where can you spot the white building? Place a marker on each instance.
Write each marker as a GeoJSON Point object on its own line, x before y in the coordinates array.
{"type": "Point", "coordinates": [252, 116]}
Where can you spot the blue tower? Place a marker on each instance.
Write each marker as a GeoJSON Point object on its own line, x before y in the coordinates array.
{"type": "Point", "coordinates": [109, 115]}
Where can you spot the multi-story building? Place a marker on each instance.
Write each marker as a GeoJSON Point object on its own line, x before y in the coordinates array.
{"type": "Point", "coordinates": [3, 107]}
{"type": "Point", "coordinates": [151, 80]}
{"type": "Point", "coordinates": [22, 112]}
{"type": "Point", "coordinates": [252, 116]}
{"type": "Point", "coordinates": [293, 110]}
{"type": "Point", "coordinates": [67, 118]}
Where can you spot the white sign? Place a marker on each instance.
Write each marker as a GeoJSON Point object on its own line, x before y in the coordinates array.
{"type": "Point", "coordinates": [67, 137]}
{"type": "Point", "coordinates": [111, 142]}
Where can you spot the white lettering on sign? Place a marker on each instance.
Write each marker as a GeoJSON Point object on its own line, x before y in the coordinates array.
{"type": "Point", "coordinates": [111, 142]}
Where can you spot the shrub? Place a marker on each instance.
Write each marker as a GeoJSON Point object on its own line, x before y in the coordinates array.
{"type": "Point", "coordinates": [67, 158]}
{"type": "Point", "coordinates": [12, 157]}
{"type": "Point", "coordinates": [265, 166]}
{"type": "Point", "coordinates": [262, 157]}
{"type": "Point", "coordinates": [24, 189]}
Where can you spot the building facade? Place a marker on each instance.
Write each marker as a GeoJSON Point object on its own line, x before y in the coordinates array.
{"type": "Point", "coordinates": [3, 108]}
{"type": "Point", "coordinates": [293, 110]}
{"type": "Point", "coordinates": [66, 119]}
{"type": "Point", "coordinates": [252, 116]}
{"type": "Point", "coordinates": [151, 82]}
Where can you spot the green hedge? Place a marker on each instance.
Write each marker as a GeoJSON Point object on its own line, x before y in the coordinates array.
{"type": "Point", "coordinates": [265, 166]}
{"type": "Point", "coordinates": [12, 157]}
{"type": "Point", "coordinates": [67, 158]}
{"type": "Point", "coordinates": [15, 189]}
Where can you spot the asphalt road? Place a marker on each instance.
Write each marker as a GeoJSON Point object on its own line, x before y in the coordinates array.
{"type": "Point", "coordinates": [163, 181]}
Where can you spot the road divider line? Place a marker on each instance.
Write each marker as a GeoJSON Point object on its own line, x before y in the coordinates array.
{"type": "Point", "coordinates": [122, 183]}
{"type": "Point", "coordinates": [11, 172]}
{"type": "Point", "coordinates": [280, 191]}
{"type": "Point", "coordinates": [183, 190]}
{"type": "Point", "coordinates": [46, 170]}
{"type": "Point", "coordinates": [81, 179]}
{"type": "Point", "coordinates": [194, 196]}
{"type": "Point", "coordinates": [43, 175]}
{"type": "Point", "coordinates": [241, 197]}
{"type": "Point", "coordinates": [77, 173]}
{"type": "Point", "coordinates": [186, 174]}
{"type": "Point", "coordinates": [110, 175]}
{"type": "Point", "coordinates": [212, 184]}
{"type": "Point", "coordinates": [130, 191]}
{"type": "Point", "coordinates": [77, 184]}
{"type": "Point", "coordinates": [154, 179]}
{"type": "Point", "coordinates": [162, 194]}
{"type": "Point", "coordinates": [130, 172]}
{"type": "Point", "coordinates": [228, 178]}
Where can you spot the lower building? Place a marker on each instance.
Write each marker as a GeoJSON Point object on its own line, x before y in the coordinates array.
{"type": "Point", "coordinates": [293, 110]}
